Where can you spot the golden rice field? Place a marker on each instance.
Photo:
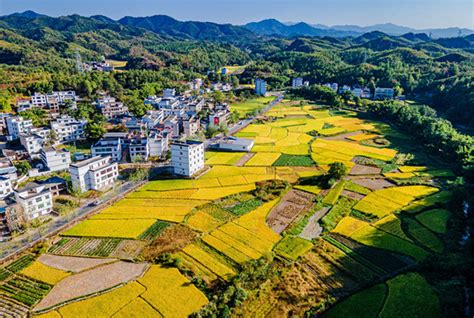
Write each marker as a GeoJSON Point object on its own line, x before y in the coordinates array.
{"type": "Point", "coordinates": [121, 228]}
{"type": "Point", "coordinates": [348, 225]}
{"type": "Point", "coordinates": [171, 293]}
{"type": "Point", "coordinates": [386, 201]}
{"type": "Point", "coordinates": [209, 261]}
{"type": "Point", "coordinates": [44, 273]}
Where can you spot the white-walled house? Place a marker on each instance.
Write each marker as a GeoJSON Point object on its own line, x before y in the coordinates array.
{"type": "Point", "coordinates": [97, 173]}
{"type": "Point", "coordinates": [32, 143]}
{"type": "Point", "coordinates": [108, 148]}
{"type": "Point", "coordinates": [158, 144]}
{"type": "Point", "coordinates": [6, 187]}
{"type": "Point", "coordinates": [55, 160]}
{"type": "Point", "coordinates": [187, 158]}
{"type": "Point", "coordinates": [260, 87]}
{"type": "Point", "coordinates": [17, 125]}
{"type": "Point", "coordinates": [35, 199]}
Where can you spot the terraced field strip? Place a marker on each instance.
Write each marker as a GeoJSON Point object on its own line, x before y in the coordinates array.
{"type": "Point", "coordinates": [210, 262]}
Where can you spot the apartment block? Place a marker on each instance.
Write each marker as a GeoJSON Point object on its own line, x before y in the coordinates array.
{"type": "Point", "coordinates": [187, 158]}
{"type": "Point", "coordinates": [35, 199]}
{"type": "Point", "coordinates": [97, 173]}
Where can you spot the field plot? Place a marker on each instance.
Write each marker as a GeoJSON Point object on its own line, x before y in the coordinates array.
{"type": "Point", "coordinates": [124, 228]}
{"type": "Point", "coordinates": [393, 225]}
{"type": "Point", "coordinates": [223, 158]}
{"type": "Point", "coordinates": [104, 305]}
{"type": "Point", "coordinates": [409, 295]}
{"type": "Point", "coordinates": [366, 303]}
{"type": "Point", "coordinates": [291, 160]}
{"type": "Point", "coordinates": [44, 273]}
{"type": "Point", "coordinates": [435, 220]}
{"type": "Point", "coordinates": [348, 225]}
{"type": "Point", "coordinates": [203, 222]}
{"type": "Point", "coordinates": [209, 261]}
{"type": "Point", "coordinates": [251, 105]}
{"type": "Point", "coordinates": [91, 281]}
{"type": "Point", "coordinates": [292, 247]}
{"type": "Point", "coordinates": [290, 207]}
{"type": "Point", "coordinates": [386, 201]}
{"type": "Point", "coordinates": [85, 247]}
{"type": "Point", "coordinates": [334, 193]}
{"type": "Point", "coordinates": [24, 290]}
{"type": "Point", "coordinates": [171, 293]}
{"type": "Point", "coordinates": [424, 236]}
{"type": "Point", "coordinates": [72, 264]}
{"type": "Point", "coordinates": [265, 159]}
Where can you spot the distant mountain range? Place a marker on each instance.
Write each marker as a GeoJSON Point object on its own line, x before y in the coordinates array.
{"type": "Point", "coordinates": [166, 26]}
{"type": "Point", "coordinates": [275, 27]}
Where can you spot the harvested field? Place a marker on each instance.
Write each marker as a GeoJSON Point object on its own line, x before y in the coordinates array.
{"type": "Point", "coordinates": [171, 240]}
{"type": "Point", "coordinates": [313, 230]}
{"type": "Point", "coordinates": [352, 195]}
{"type": "Point", "coordinates": [373, 184]}
{"type": "Point", "coordinates": [128, 249]}
{"type": "Point", "coordinates": [358, 170]}
{"type": "Point", "coordinates": [292, 204]}
{"type": "Point", "coordinates": [72, 264]}
{"type": "Point", "coordinates": [91, 281]}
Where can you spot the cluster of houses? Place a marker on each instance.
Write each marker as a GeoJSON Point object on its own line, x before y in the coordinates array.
{"type": "Point", "coordinates": [159, 133]}
{"type": "Point", "coordinates": [380, 93]}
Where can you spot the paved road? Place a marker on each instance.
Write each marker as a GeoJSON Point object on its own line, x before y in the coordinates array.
{"type": "Point", "coordinates": [34, 235]}
{"type": "Point", "coordinates": [243, 123]}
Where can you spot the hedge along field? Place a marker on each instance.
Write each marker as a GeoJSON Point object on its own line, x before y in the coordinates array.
{"type": "Point", "coordinates": [385, 201]}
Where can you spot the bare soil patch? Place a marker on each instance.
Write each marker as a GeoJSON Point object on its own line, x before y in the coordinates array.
{"type": "Point", "coordinates": [242, 161]}
{"type": "Point", "coordinates": [92, 281]}
{"type": "Point", "coordinates": [291, 205]}
{"type": "Point", "coordinates": [171, 240]}
{"type": "Point", "coordinates": [373, 184]}
{"type": "Point", "coordinates": [364, 170]}
{"type": "Point", "coordinates": [313, 230]}
{"type": "Point", "coordinates": [128, 249]}
{"type": "Point", "coordinates": [352, 195]}
{"type": "Point", "coordinates": [71, 263]}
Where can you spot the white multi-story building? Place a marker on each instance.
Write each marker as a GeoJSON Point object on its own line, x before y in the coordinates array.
{"type": "Point", "coordinates": [234, 144]}
{"type": "Point", "coordinates": [153, 118]}
{"type": "Point", "coordinates": [55, 160]}
{"type": "Point", "coordinates": [68, 129]}
{"type": "Point", "coordinates": [18, 125]}
{"type": "Point", "coordinates": [108, 148]}
{"type": "Point", "coordinates": [169, 93]}
{"type": "Point", "coordinates": [36, 200]}
{"type": "Point", "coordinates": [187, 158]}
{"type": "Point", "coordinates": [6, 187]}
{"type": "Point", "coordinates": [191, 126]}
{"type": "Point", "coordinates": [172, 126]}
{"type": "Point", "coordinates": [218, 118]}
{"type": "Point", "coordinates": [139, 149]}
{"type": "Point", "coordinates": [384, 93]}
{"type": "Point", "coordinates": [260, 87]}
{"type": "Point", "coordinates": [97, 173]}
{"type": "Point", "coordinates": [196, 84]}
{"type": "Point", "coordinates": [111, 108]}
{"type": "Point", "coordinates": [158, 144]}
{"type": "Point", "coordinates": [32, 143]}
{"type": "Point", "coordinates": [297, 82]}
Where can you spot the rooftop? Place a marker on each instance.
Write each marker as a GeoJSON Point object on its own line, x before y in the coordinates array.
{"type": "Point", "coordinates": [86, 162]}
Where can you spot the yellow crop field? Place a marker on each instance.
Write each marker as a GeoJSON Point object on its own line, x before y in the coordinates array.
{"type": "Point", "coordinates": [51, 314]}
{"type": "Point", "coordinates": [203, 222]}
{"type": "Point", "coordinates": [245, 236]}
{"type": "Point", "coordinates": [159, 203]}
{"type": "Point", "coordinates": [137, 308]}
{"type": "Point", "coordinates": [104, 305]}
{"type": "Point", "coordinates": [412, 168]}
{"type": "Point", "coordinates": [127, 228]}
{"type": "Point", "coordinates": [362, 137]}
{"type": "Point", "coordinates": [44, 273]}
{"type": "Point", "coordinates": [173, 214]}
{"type": "Point", "coordinates": [209, 261]}
{"type": "Point", "coordinates": [258, 129]}
{"type": "Point", "coordinates": [232, 180]}
{"type": "Point", "coordinates": [171, 293]}
{"type": "Point", "coordinates": [227, 171]}
{"type": "Point", "coordinates": [252, 178]}
{"type": "Point", "coordinates": [207, 182]}
{"type": "Point", "coordinates": [310, 189]}
{"type": "Point", "coordinates": [263, 159]}
{"type": "Point", "coordinates": [212, 194]}
{"type": "Point", "coordinates": [226, 249]}
{"type": "Point", "coordinates": [332, 131]}
{"type": "Point", "coordinates": [223, 158]}
{"type": "Point", "coordinates": [386, 201]}
{"type": "Point", "coordinates": [348, 225]}
{"type": "Point", "coordinates": [176, 194]}
{"type": "Point", "coordinates": [402, 175]}
{"type": "Point", "coordinates": [353, 149]}
{"type": "Point", "coordinates": [245, 249]}
{"type": "Point", "coordinates": [163, 185]}
{"type": "Point", "coordinates": [300, 149]}
{"type": "Point", "coordinates": [255, 222]}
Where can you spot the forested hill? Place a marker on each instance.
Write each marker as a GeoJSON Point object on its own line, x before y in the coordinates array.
{"type": "Point", "coordinates": [437, 71]}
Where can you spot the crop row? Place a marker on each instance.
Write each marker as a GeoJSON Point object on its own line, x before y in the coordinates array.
{"type": "Point", "coordinates": [85, 246]}
{"type": "Point", "coordinates": [20, 263]}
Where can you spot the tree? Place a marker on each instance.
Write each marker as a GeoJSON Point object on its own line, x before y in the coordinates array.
{"type": "Point", "coordinates": [95, 128]}
{"type": "Point", "coordinates": [219, 97]}
{"type": "Point", "coordinates": [23, 167]}
{"type": "Point", "coordinates": [337, 170]}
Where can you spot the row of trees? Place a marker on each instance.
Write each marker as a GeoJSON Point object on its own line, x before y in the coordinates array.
{"type": "Point", "coordinates": [437, 134]}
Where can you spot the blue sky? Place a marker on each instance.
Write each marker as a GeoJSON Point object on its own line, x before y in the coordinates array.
{"type": "Point", "coordinates": [414, 13]}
